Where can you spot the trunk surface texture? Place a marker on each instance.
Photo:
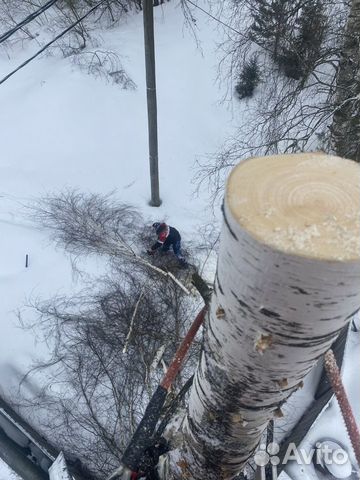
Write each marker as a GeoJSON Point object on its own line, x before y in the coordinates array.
{"type": "Point", "coordinates": [287, 282]}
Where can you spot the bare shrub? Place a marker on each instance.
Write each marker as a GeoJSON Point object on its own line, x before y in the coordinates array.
{"type": "Point", "coordinates": [93, 394]}
{"type": "Point", "coordinates": [108, 343]}
{"type": "Point", "coordinates": [90, 223]}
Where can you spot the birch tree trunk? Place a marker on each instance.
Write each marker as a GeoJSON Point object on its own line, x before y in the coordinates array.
{"type": "Point", "coordinates": [346, 121]}
{"type": "Point", "coordinates": [287, 282]}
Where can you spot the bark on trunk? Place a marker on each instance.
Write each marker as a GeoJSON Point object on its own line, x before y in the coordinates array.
{"type": "Point", "coordinates": [286, 284]}
{"type": "Point", "coordinates": [346, 122]}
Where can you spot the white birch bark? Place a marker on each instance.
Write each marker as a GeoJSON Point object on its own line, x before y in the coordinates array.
{"type": "Point", "coordinates": [287, 282]}
{"type": "Point", "coordinates": [59, 470]}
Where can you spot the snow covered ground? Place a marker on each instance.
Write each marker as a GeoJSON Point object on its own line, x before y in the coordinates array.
{"type": "Point", "coordinates": [60, 127]}
{"type": "Point", "coordinates": [330, 425]}
{"type": "Point", "coordinates": [6, 473]}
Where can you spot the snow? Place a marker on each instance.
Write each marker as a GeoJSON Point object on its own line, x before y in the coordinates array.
{"type": "Point", "coordinates": [326, 427]}
{"type": "Point", "coordinates": [330, 425]}
{"type": "Point", "coordinates": [6, 473]}
{"type": "Point", "coordinates": [61, 128]}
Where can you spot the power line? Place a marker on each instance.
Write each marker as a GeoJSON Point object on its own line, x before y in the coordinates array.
{"type": "Point", "coordinates": [27, 20]}
{"type": "Point", "coordinates": [50, 43]}
{"type": "Point", "coordinates": [216, 19]}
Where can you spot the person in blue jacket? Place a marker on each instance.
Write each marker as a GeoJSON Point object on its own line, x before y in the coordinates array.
{"type": "Point", "coordinates": [167, 237]}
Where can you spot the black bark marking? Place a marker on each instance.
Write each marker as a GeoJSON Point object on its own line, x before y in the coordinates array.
{"type": "Point", "coordinates": [219, 284]}
{"type": "Point", "coordinates": [311, 360]}
{"type": "Point", "coordinates": [300, 290]}
{"type": "Point", "coordinates": [254, 267]}
{"type": "Point", "coordinates": [197, 386]}
{"type": "Point", "coordinates": [321, 304]}
{"type": "Point", "coordinates": [314, 342]}
{"type": "Point", "coordinates": [338, 317]}
{"type": "Point", "coordinates": [352, 314]}
{"type": "Point", "coordinates": [269, 313]}
{"type": "Point", "coordinates": [227, 223]}
{"type": "Point", "coordinates": [261, 408]}
{"type": "Point", "coordinates": [214, 336]}
{"type": "Point", "coordinates": [243, 304]}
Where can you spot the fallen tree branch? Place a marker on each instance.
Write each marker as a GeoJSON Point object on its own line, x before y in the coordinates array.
{"type": "Point", "coordinates": [164, 273]}
{"type": "Point", "coordinates": [128, 336]}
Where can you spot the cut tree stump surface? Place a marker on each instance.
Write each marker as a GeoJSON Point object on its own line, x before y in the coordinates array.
{"type": "Point", "coordinates": [303, 204]}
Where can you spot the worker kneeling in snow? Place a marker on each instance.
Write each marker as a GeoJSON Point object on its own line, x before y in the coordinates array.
{"type": "Point", "coordinates": [167, 237]}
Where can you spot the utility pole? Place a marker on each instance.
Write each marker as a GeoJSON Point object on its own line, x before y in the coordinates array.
{"type": "Point", "coordinates": [151, 100]}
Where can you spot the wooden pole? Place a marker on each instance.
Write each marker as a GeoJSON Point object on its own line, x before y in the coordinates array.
{"type": "Point", "coordinates": [287, 283]}
{"type": "Point", "coordinates": [148, 15]}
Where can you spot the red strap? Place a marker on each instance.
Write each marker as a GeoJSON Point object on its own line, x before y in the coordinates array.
{"type": "Point", "coordinates": [178, 360]}
{"type": "Point", "coordinates": [134, 476]}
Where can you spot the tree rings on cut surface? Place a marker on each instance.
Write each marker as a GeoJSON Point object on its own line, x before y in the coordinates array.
{"type": "Point", "coordinates": [304, 204]}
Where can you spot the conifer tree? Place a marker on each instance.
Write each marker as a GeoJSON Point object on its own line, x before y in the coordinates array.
{"type": "Point", "coordinates": [346, 125]}
{"type": "Point", "coordinates": [312, 29]}
{"type": "Point", "coordinates": [270, 24]}
{"type": "Point", "coordinates": [249, 79]}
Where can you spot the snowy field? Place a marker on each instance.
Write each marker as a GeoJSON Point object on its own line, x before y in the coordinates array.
{"type": "Point", "coordinates": [61, 128]}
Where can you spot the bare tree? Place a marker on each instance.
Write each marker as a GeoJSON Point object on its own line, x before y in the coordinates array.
{"type": "Point", "coordinates": [93, 394]}
{"type": "Point", "coordinates": [89, 224]}
{"type": "Point", "coordinates": [346, 125]}
{"type": "Point", "coordinates": [65, 14]}
{"type": "Point", "coordinates": [288, 115]}
{"type": "Point", "coordinates": [95, 224]}
{"type": "Point", "coordinates": [110, 341]}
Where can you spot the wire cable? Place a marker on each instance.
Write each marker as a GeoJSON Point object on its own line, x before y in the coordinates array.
{"type": "Point", "coordinates": [52, 41]}
{"type": "Point", "coordinates": [216, 19]}
{"type": "Point", "coordinates": [26, 20]}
